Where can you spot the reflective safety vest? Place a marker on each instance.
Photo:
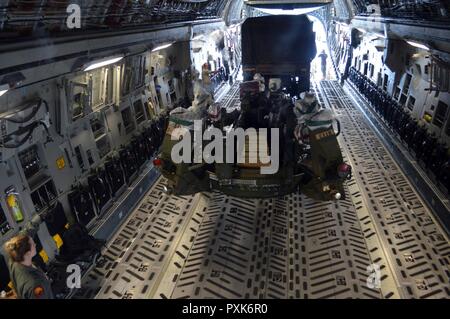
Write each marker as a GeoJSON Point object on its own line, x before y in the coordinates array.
{"type": "Point", "coordinates": [322, 119]}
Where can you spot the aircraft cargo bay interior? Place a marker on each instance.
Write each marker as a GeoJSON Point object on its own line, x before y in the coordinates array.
{"type": "Point", "coordinates": [225, 149]}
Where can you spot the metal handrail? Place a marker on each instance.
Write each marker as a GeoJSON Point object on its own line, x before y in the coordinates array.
{"type": "Point", "coordinates": [29, 13]}
{"type": "Point", "coordinates": [406, 9]}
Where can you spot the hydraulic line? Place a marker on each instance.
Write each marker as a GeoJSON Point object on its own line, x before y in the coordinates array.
{"type": "Point", "coordinates": [28, 117]}
{"type": "Point", "coordinates": [29, 130]}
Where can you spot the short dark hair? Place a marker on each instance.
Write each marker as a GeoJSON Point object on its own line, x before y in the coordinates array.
{"type": "Point", "coordinates": [17, 247]}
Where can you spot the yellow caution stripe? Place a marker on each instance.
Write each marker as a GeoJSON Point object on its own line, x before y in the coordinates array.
{"type": "Point", "coordinates": [58, 240]}
{"type": "Point", "coordinates": [44, 256]}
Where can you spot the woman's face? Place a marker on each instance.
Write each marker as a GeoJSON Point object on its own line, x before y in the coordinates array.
{"type": "Point", "coordinates": [33, 248]}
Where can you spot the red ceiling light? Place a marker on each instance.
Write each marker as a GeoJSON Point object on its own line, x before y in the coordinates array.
{"type": "Point", "coordinates": [157, 162]}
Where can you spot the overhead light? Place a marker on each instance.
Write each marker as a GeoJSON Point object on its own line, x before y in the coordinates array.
{"type": "Point", "coordinates": [103, 62]}
{"type": "Point", "coordinates": [164, 46]}
{"type": "Point", "coordinates": [3, 89]}
{"type": "Point", "coordinates": [295, 11]}
{"type": "Point", "coordinates": [418, 45]}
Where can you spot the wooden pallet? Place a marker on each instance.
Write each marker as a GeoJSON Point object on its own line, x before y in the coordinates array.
{"type": "Point", "coordinates": [251, 154]}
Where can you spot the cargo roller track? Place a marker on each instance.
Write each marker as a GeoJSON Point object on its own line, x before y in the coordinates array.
{"type": "Point", "coordinates": [216, 246]}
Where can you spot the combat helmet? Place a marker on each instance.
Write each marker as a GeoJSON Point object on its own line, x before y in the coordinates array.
{"type": "Point", "coordinates": [214, 112]}
{"type": "Point", "coordinates": [307, 103]}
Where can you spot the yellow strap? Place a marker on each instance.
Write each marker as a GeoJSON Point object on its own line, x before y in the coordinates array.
{"type": "Point", "coordinates": [66, 226]}
{"type": "Point", "coordinates": [58, 240]}
{"type": "Point", "coordinates": [10, 285]}
{"type": "Point", "coordinates": [60, 162]}
{"type": "Point", "coordinates": [44, 255]}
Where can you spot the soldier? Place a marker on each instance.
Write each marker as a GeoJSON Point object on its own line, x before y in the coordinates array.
{"type": "Point", "coordinates": [206, 79]}
{"type": "Point", "coordinates": [276, 99]}
{"type": "Point", "coordinates": [287, 124]}
{"type": "Point", "coordinates": [262, 83]}
{"type": "Point", "coordinates": [323, 63]}
{"type": "Point", "coordinates": [29, 281]}
{"type": "Point", "coordinates": [262, 101]}
{"type": "Point", "coordinates": [325, 162]}
{"type": "Point", "coordinates": [310, 116]}
{"type": "Point", "coordinates": [253, 105]}
{"type": "Point", "coordinates": [202, 99]}
{"type": "Point", "coordinates": [193, 77]}
{"type": "Point", "coordinates": [275, 88]}
{"type": "Point", "coordinates": [315, 127]}
{"type": "Point", "coordinates": [219, 117]}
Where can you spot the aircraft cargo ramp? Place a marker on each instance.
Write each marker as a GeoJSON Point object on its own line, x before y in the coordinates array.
{"type": "Point", "coordinates": [215, 246]}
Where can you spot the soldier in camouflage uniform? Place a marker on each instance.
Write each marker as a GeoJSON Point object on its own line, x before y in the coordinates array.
{"type": "Point", "coordinates": [316, 130]}
{"type": "Point", "coordinates": [29, 281]}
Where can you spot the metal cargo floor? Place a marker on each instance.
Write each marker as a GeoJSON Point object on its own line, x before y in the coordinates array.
{"type": "Point", "coordinates": [216, 246]}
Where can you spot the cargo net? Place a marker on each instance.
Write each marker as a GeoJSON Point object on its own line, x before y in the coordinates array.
{"type": "Point", "coordinates": [428, 10]}
{"type": "Point", "coordinates": [38, 18]}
